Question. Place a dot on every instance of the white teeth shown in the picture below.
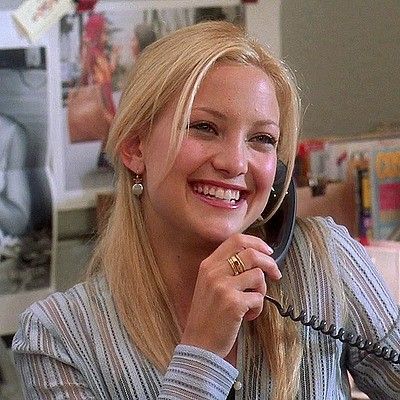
(228, 195)
(220, 193)
(224, 194)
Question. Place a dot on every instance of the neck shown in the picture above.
(179, 260)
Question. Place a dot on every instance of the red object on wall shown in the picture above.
(85, 5)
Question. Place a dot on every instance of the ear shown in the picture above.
(131, 153)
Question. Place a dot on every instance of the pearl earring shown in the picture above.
(137, 187)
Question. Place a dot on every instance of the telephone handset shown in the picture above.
(281, 225)
(279, 229)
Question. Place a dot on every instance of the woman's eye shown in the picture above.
(264, 139)
(203, 127)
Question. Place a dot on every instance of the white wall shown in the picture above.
(263, 22)
(346, 55)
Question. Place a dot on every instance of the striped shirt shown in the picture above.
(70, 347)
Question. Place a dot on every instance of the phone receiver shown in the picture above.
(279, 228)
(279, 233)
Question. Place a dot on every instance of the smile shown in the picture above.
(228, 195)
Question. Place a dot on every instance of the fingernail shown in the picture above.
(270, 250)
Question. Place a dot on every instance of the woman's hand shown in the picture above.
(221, 300)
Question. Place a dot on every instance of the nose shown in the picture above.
(231, 157)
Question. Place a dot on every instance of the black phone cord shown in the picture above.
(345, 337)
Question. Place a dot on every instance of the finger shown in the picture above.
(238, 242)
(251, 280)
(252, 258)
(255, 303)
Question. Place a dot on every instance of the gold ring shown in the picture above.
(236, 264)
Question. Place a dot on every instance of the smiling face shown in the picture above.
(221, 178)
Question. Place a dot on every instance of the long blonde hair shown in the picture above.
(175, 66)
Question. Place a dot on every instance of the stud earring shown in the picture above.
(137, 187)
(273, 192)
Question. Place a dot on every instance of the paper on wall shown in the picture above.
(34, 17)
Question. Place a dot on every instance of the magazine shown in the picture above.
(385, 192)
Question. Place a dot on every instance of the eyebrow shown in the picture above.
(222, 116)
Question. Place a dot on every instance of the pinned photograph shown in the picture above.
(25, 196)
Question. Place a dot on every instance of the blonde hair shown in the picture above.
(171, 67)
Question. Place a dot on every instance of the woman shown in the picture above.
(173, 307)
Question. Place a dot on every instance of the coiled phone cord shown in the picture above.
(345, 337)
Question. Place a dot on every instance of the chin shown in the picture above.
(219, 234)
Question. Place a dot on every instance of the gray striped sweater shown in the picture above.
(69, 347)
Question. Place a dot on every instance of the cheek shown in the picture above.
(155, 161)
(186, 162)
(265, 174)
(191, 155)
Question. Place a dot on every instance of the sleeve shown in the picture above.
(195, 373)
(50, 367)
(46, 369)
(371, 313)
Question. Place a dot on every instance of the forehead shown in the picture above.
(226, 87)
(237, 77)
(239, 87)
